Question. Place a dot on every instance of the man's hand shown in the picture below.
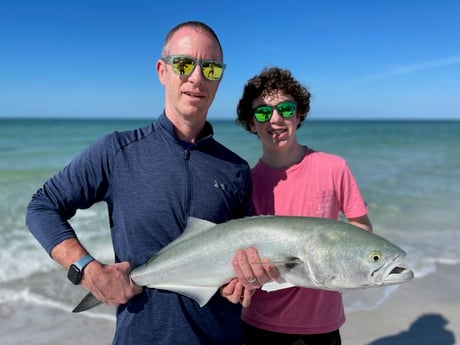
(110, 283)
(251, 273)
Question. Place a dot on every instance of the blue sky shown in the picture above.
(360, 59)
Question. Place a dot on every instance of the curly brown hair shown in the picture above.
(269, 82)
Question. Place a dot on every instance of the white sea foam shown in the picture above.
(366, 299)
(408, 173)
(27, 296)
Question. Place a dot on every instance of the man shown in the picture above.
(152, 180)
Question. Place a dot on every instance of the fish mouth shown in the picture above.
(392, 273)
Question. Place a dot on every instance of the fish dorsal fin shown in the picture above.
(194, 226)
(197, 225)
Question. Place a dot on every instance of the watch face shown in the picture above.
(74, 274)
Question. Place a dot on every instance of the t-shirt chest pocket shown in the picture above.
(323, 204)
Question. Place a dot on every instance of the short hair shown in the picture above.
(198, 26)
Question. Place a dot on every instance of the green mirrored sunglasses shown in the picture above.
(285, 109)
(184, 65)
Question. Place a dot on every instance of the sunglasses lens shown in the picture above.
(263, 113)
(212, 70)
(183, 65)
(286, 109)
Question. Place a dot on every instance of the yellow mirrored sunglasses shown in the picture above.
(184, 65)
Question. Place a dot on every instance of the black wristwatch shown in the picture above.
(75, 272)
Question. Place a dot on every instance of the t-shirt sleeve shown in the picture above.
(352, 202)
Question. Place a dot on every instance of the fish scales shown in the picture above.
(308, 252)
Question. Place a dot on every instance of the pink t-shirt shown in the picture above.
(321, 185)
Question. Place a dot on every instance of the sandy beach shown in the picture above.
(425, 311)
(22, 324)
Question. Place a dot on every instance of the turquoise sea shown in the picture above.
(408, 171)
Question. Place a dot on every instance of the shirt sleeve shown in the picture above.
(82, 183)
(353, 204)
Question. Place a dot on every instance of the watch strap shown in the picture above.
(82, 262)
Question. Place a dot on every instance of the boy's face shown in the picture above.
(278, 133)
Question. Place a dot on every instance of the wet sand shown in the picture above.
(424, 311)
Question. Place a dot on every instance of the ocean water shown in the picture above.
(408, 172)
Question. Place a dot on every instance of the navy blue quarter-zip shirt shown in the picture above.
(151, 182)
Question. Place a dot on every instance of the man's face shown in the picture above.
(189, 97)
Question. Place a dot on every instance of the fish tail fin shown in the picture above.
(88, 302)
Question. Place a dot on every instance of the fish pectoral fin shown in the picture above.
(289, 264)
(286, 264)
(275, 286)
(292, 262)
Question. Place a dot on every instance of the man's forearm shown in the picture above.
(67, 252)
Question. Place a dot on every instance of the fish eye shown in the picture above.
(375, 256)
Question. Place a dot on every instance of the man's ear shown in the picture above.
(161, 70)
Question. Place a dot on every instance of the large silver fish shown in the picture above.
(308, 252)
